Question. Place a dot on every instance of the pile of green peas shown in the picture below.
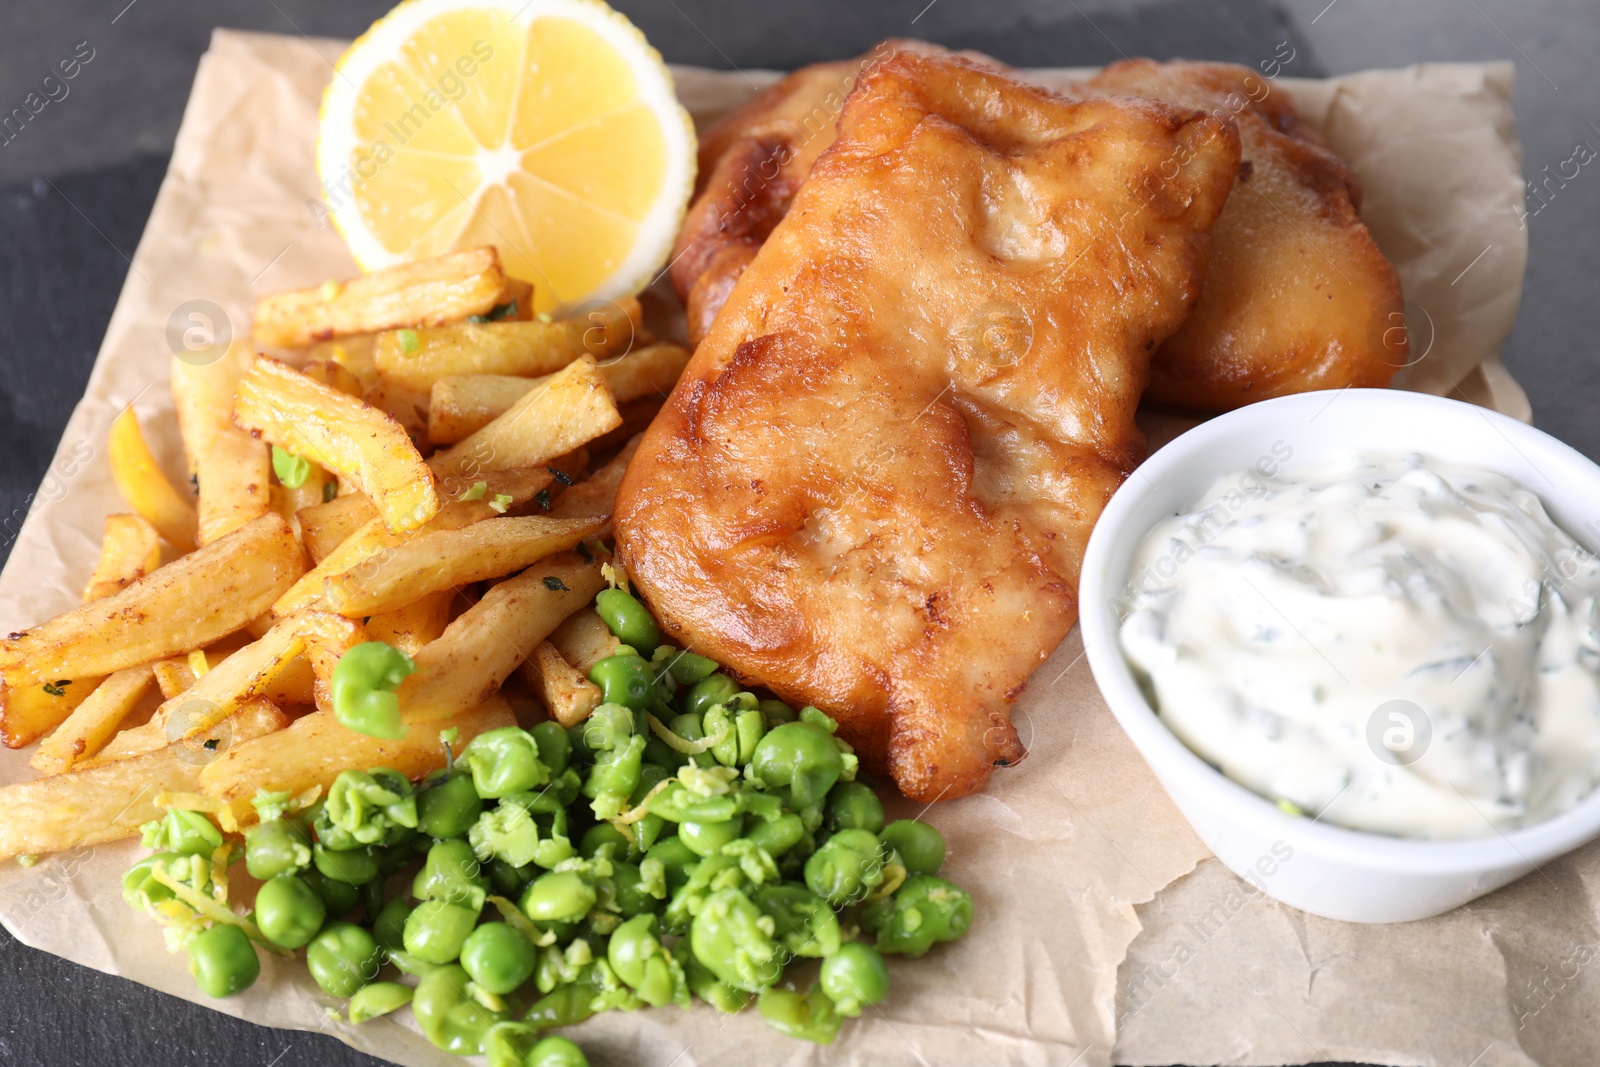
(688, 840)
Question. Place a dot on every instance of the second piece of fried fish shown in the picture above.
(1298, 295)
(871, 489)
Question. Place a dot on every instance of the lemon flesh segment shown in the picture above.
(546, 128)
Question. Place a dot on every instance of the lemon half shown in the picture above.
(548, 128)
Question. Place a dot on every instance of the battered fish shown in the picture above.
(752, 162)
(1297, 296)
(871, 489)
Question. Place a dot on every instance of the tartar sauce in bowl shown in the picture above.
(1388, 642)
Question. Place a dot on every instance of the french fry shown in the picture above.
(129, 550)
(173, 676)
(145, 488)
(571, 408)
(427, 292)
(105, 802)
(448, 559)
(246, 675)
(317, 748)
(519, 295)
(597, 494)
(191, 602)
(28, 712)
(408, 407)
(410, 627)
(93, 722)
(418, 358)
(480, 649)
(334, 375)
(584, 639)
(568, 696)
(373, 539)
(353, 353)
(325, 526)
(346, 436)
(231, 468)
(462, 404)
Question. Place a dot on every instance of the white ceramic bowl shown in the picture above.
(1327, 870)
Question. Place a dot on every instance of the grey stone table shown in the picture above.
(77, 183)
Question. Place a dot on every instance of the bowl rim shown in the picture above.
(1168, 756)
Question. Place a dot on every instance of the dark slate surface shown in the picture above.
(76, 187)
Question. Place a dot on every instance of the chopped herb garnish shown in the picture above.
(543, 497)
(54, 690)
(291, 469)
(450, 736)
(502, 501)
(409, 341)
(496, 313)
(211, 745)
(561, 476)
(16, 635)
(27, 859)
(555, 584)
(329, 290)
(545, 316)
(63, 683)
(330, 489)
(476, 492)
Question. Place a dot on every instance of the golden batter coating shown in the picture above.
(1297, 296)
(872, 486)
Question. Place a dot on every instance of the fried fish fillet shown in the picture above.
(1297, 295)
(752, 162)
(871, 489)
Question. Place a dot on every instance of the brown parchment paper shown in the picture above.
(1083, 873)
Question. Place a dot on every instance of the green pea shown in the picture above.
(853, 806)
(807, 1016)
(362, 689)
(687, 668)
(691, 727)
(447, 1016)
(278, 846)
(376, 807)
(629, 620)
(741, 732)
(677, 857)
(509, 881)
(505, 761)
(340, 898)
(624, 679)
(498, 957)
(777, 836)
(448, 806)
(555, 748)
(436, 930)
(707, 838)
(924, 911)
(356, 867)
(801, 920)
(801, 757)
(289, 912)
(603, 833)
(707, 986)
(635, 954)
(846, 868)
(559, 896)
(921, 847)
(223, 961)
(708, 692)
(776, 712)
(451, 872)
(379, 998)
(343, 958)
(854, 977)
(730, 936)
(511, 1044)
(183, 833)
(628, 890)
(566, 1005)
(390, 925)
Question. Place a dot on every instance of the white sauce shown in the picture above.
(1274, 623)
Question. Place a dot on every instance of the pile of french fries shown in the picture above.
(454, 462)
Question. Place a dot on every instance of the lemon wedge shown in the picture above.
(547, 128)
